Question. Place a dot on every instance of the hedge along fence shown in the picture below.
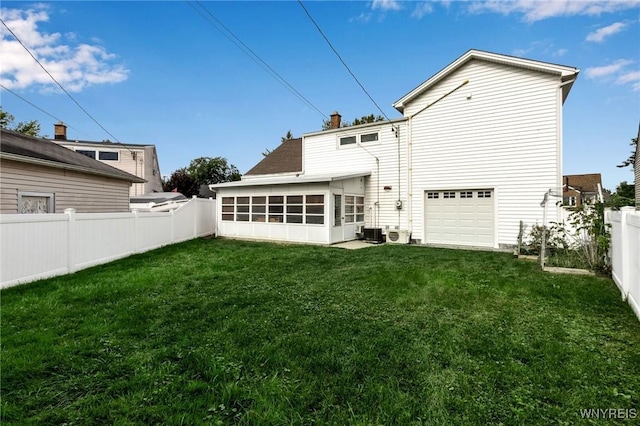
(36, 246)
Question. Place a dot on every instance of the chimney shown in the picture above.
(335, 120)
(60, 131)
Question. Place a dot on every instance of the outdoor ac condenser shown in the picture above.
(398, 236)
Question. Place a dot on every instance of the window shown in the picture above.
(466, 194)
(370, 137)
(314, 209)
(484, 194)
(447, 194)
(242, 209)
(569, 201)
(433, 195)
(88, 153)
(349, 140)
(294, 208)
(258, 209)
(36, 202)
(276, 209)
(337, 210)
(353, 209)
(108, 155)
(228, 208)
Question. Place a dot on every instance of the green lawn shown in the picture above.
(224, 332)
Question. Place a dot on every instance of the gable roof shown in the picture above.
(27, 149)
(583, 183)
(567, 74)
(286, 158)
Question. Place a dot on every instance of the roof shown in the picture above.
(566, 73)
(27, 149)
(288, 180)
(101, 143)
(286, 158)
(583, 183)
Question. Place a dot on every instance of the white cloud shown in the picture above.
(601, 33)
(386, 5)
(422, 9)
(632, 77)
(536, 10)
(607, 70)
(75, 66)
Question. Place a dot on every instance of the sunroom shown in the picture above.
(312, 209)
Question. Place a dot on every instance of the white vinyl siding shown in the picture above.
(322, 155)
(498, 131)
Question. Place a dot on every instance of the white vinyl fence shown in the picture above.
(36, 246)
(625, 254)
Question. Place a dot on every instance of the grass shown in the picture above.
(231, 332)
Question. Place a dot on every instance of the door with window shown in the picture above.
(337, 218)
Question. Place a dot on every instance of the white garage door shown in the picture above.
(460, 217)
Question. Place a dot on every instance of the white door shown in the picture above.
(460, 217)
(337, 217)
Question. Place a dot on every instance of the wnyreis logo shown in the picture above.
(609, 413)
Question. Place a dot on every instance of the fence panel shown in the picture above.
(44, 245)
(625, 254)
(102, 237)
(32, 247)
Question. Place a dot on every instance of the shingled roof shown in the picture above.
(287, 158)
(20, 147)
(583, 183)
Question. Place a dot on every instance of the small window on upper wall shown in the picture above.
(370, 137)
(108, 155)
(88, 153)
(35, 202)
(349, 140)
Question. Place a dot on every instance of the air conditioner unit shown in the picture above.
(398, 236)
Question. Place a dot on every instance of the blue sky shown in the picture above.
(160, 73)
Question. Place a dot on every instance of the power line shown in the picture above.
(342, 60)
(36, 107)
(59, 85)
(251, 54)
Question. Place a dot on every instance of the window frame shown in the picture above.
(51, 196)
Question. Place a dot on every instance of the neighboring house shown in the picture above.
(135, 159)
(39, 176)
(579, 189)
(478, 146)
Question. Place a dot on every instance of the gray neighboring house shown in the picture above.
(39, 176)
(137, 159)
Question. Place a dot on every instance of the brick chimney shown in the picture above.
(335, 120)
(60, 131)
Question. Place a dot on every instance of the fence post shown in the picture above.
(195, 216)
(135, 230)
(71, 236)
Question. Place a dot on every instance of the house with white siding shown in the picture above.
(137, 159)
(478, 146)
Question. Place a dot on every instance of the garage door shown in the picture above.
(460, 217)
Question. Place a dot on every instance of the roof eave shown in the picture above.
(65, 166)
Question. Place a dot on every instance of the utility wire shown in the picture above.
(59, 85)
(37, 107)
(250, 53)
(342, 60)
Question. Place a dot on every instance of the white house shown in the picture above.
(478, 146)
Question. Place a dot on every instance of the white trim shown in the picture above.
(287, 180)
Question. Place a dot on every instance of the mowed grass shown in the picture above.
(231, 332)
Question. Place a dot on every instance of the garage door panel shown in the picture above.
(463, 218)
